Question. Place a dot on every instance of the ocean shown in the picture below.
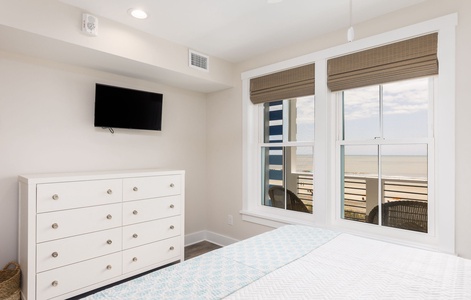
(393, 166)
(396, 166)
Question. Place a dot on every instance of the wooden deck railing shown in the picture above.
(355, 191)
(305, 190)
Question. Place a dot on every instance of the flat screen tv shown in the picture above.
(117, 107)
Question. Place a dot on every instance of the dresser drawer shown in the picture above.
(151, 187)
(151, 209)
(152, 231)
(150, 254)
(69, 278)
(58, 253)
(66, 195)
(60, 224)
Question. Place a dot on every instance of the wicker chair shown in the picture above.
(410, 215)
(277, 196)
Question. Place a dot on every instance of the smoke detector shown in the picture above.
(89, 25)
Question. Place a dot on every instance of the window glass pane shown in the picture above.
(272, 170)
(302, 160)
(272, 173)
(361, 113)
(283, 186)
(299, 178)
(360, 181)
(273, 122)
(405, 185)
(405, 109)
(289, 120)
(302, 116)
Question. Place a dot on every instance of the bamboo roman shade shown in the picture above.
(407, 59)
(292, 83)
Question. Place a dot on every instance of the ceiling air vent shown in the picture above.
(198, 61)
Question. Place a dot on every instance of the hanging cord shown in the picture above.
(351, 13)
(350, 32)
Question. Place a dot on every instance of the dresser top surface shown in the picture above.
(96, 175)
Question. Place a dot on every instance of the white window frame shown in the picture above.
(305, 218)
(326, 191)
(410, 236)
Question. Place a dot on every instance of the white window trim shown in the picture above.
(324, 214)
(410, 237)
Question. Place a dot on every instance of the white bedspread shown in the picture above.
(350, 267)
(223, 271)
(300, 262)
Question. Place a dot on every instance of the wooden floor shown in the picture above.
(199, 248)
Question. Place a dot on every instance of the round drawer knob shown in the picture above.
(55, 197)
(109, 217)
(55, 283)
(134, 259)
(135, 235)
(109, 192)
(134, 212)
(172, 227)
(172, 206)
(55, 254)
(109, 242)
(172, 248)
(108, 267)
(55, 226)
(172, 185)
(135, 189)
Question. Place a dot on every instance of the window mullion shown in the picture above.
(431, 119)
(342, 116)
(286, 120)
(387, 142)
(381, 138)
(381, 110)
(380, 188)
(284, 178)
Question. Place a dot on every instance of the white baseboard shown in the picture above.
(205, 235)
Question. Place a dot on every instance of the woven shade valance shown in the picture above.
(408, 59)
(292, 83)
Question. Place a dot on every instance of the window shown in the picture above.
(385, 132)
(360, 133)
(383, 143)
(281, 152)
(287, 154)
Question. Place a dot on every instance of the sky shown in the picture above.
(405, 115)
(405, 111)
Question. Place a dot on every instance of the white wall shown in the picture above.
(225, 116)
(46, 125)
(224, 168)
(46, 119)
(51, 29)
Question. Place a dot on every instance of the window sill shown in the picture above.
(271, 220)
(386, 234)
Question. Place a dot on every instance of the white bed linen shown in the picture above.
(300, 262)
(351, 267)
(223, 271)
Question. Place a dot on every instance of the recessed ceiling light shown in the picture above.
(137, 13)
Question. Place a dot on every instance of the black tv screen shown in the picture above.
(117, 107)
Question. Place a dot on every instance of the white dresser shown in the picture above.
(82, 231)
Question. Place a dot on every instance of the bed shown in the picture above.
(301, 262)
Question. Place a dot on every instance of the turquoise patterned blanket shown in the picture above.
(220, 273)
